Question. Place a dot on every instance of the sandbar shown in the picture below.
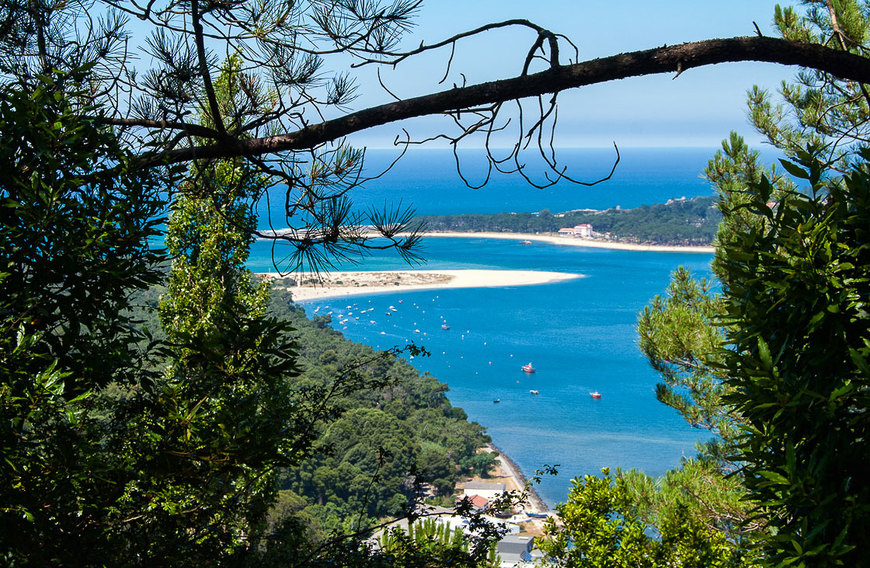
(305, 286)
(572, 241)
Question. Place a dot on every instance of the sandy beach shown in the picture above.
(306, 286)
(571, 241)
(509, 473)
(338, 284)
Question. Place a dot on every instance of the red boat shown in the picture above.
(595, 394)
(528, 368)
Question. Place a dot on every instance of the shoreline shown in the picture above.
(306, 286)
(571, 241)
(511, 470)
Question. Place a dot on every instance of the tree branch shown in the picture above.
(668, 59)
(186, 127)
(204, 70)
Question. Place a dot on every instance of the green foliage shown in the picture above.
(678, 222)
(734, 168)
(76, 219)
(599, 527)
(679, 336)
(697, 490)
(788, 325)
(796, 297)
(430, 543)
(682, 334)
(226, 414)
(395, 432)
(822, 111)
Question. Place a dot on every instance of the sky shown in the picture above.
(699, 108)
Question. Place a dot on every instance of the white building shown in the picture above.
(484, 489)
(583, 231)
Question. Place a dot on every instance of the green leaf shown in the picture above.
(794, 169)
(764, 354)
(777, 478)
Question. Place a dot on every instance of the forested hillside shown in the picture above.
(385, 444)
(678, 222)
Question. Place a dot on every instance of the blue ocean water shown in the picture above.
(579, 334)
(428, 181)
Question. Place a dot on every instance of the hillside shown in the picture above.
(391, 431)
(677, 222)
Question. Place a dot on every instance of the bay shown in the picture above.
(579, 334)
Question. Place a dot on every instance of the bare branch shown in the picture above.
(666, 59)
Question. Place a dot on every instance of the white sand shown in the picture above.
(334, 284)
(572, 241)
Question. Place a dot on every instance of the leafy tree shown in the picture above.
(599, 526)
(77, 216)
(798, 330)
(694, 342)
(226, 411)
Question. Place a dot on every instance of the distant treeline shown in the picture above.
(678, 222)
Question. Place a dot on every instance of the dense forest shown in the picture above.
(677, 222)
(386, 445)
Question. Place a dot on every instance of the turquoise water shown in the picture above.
(579, 334)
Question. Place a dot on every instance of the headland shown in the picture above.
(307, 286)
(571, 241)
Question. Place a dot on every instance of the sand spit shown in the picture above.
(335, 284)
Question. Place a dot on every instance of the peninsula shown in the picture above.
(307, 286)
(573, 241)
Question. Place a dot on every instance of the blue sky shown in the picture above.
(699, 108)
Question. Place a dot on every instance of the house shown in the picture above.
(515, 550)
(483, 489)
(583, 231)
(478, 503)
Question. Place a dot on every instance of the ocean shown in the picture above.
(579, 334)
(427, 181)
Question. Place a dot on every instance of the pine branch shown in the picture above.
(667, 59)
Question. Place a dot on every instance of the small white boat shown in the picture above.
(534, 391)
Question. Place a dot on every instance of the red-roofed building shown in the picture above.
(479, 503)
